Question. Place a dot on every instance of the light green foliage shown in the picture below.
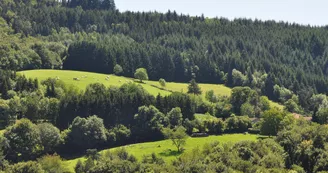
(2, 132)
(210, 96)
(271, 121)
(258, 80)
(118, 69)
(25, 167)
(319, 101)
(223, 109)
(120, 133)
(247, 109)
(215, 126)
(241, 95)
(238, 78)
(87, 78)
(53, 164)
(291, 106)
(237, 124)
(178, 136)
(141, 74)
(162, 82)
(205, 117)
(322, 116)
(282, 93)
(175, 117)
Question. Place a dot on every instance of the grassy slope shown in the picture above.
(218, 89)
(67, 76)
(167, 151)
(183, 87)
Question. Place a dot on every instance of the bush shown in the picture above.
(118, 69)
(87, 133)
(237, 124)
(162, 82)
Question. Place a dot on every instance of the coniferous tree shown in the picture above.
(193, 88)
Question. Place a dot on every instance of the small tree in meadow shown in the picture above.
(178, 136)
(193, 88)
(141, 74)
(162, 82)
(118, 69)
(210, 96)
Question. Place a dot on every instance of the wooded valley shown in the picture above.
(276, 73)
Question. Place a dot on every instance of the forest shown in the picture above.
(43, 123)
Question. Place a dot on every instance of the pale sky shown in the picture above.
(313, 12)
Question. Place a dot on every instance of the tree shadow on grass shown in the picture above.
(169, 152)
(263, 137)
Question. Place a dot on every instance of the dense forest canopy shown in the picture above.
(170, 46)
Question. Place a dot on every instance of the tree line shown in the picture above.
(289, 55)
(299, 147)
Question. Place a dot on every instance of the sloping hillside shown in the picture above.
(153, 87)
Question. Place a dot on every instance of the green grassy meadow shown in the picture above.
(153, 87)
(183, 87)
(166, 150)
(86, 78)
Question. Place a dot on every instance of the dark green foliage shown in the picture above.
(148, 123)
(237, 124)
(215, 126)
(6, 118)
(86, 133)
(177, 99)
(91, 4)
(23, 141)
(241, 95)
(321, 116)
(113, 105)
(223, 110)
(193, 88)
(95, 37)
(175, 117)
(286, 62)
(121, 133)
(49, 136)
(79, 168)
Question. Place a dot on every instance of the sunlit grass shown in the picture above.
(153, 87)
(167, 151)
(86, 78)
